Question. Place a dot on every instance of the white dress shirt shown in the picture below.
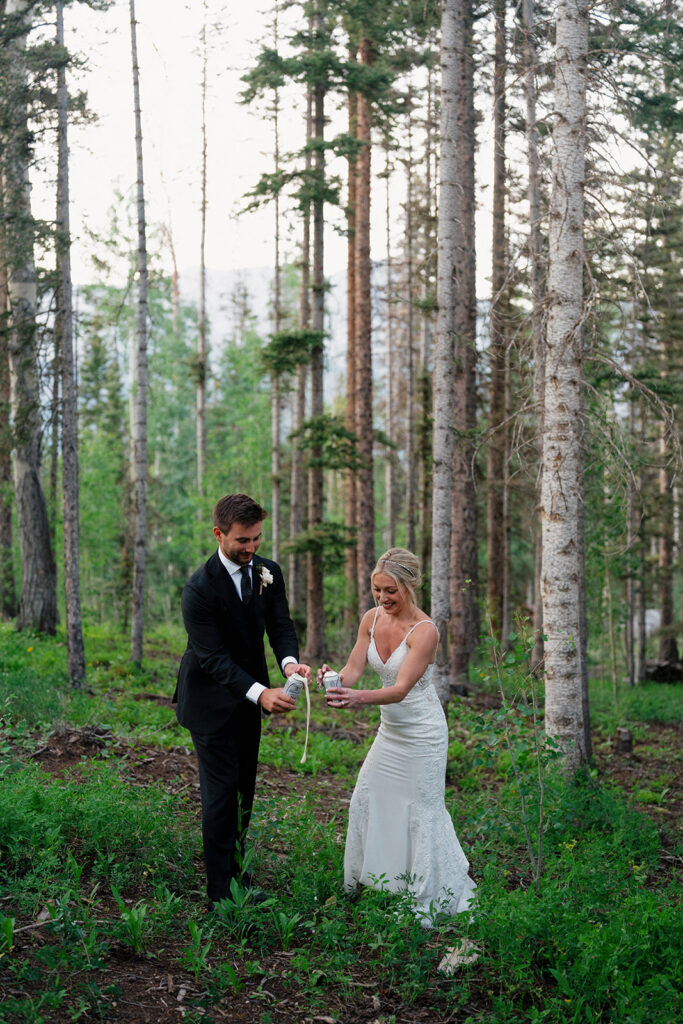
(254, 691)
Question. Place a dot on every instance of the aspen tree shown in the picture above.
(64, 332)
(464, 574)
(562, 495)
(536, 282)
(498, 356)
(444, 405)
(201, 361)
(139, 419)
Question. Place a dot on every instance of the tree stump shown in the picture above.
(623, 743)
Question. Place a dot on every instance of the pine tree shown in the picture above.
(38, 602)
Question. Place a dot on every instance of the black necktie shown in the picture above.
(246, 584)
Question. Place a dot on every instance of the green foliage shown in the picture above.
(599, 941)
(330, 443)
(289, 349)
(327, 541)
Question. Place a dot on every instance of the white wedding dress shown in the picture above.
(400, 835)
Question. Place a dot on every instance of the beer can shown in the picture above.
(294, 685)
(330, 679)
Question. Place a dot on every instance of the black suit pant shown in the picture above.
(227, 778)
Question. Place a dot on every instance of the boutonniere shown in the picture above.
(266, 577)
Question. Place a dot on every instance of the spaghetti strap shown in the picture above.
(431, 623)
(372, 628)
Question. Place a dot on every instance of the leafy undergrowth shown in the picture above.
(102, 916)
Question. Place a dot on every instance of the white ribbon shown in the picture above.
(308, 721)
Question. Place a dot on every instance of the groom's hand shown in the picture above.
(303, 670)
(276, 700)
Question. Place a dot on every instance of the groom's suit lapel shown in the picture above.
(226, 590)
(223, 586)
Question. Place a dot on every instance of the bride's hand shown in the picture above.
(320, 673)
(342, 697)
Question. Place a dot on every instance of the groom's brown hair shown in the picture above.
(237, 508)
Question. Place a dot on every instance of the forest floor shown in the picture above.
(150, 987)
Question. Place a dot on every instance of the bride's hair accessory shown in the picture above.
(392, 561)
(403, 566)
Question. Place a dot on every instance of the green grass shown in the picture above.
(635, 706)
(115, 865)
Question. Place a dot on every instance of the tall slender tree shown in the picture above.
(351, 481)
(8, 596)
(276, 384)
(536, 275)
(298, 504)
(201, 368)
(363, 318)
(444, 364)
(139, 422)
(497, 446)
(38, 602)
(464, 574)
(64, 333)
(315, 635)
(563, 569)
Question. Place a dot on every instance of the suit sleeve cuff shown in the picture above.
(254, 692)
(289, 660)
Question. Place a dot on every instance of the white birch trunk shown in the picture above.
(75, 653)
(536, 282)
(410, 340)
(276, 394)
(444, 410)
(201, 318)
(140, 418)
(390, 412)
(296, 588)
(563, 571)
(38, 602)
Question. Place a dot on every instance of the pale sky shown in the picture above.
(239, 138)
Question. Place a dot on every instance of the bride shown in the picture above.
(400, 835)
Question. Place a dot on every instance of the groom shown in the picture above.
(223, 685)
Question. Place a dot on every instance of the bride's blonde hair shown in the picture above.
(403, 567)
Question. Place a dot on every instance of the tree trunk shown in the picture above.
(464, 575)
(315, 635)
(390, 413)
(410, 339)
(75, 653)
(38, 603)
(424, 390)
(201, 366)
(296, 589)
(563, 571)
(351, 475)
(668, 647)
(497, 454)
(444, 398)
(275, 384)
(139, 432)
(536, 282)
(8, 595)
(363, 311)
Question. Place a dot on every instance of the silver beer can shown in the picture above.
(331, 679)
(294, 685)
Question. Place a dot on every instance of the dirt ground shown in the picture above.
(154, 989)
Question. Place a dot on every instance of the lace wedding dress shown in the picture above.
(400, 834)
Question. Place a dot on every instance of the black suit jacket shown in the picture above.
(225, 652)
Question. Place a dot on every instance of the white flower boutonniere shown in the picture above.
(266, 577)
